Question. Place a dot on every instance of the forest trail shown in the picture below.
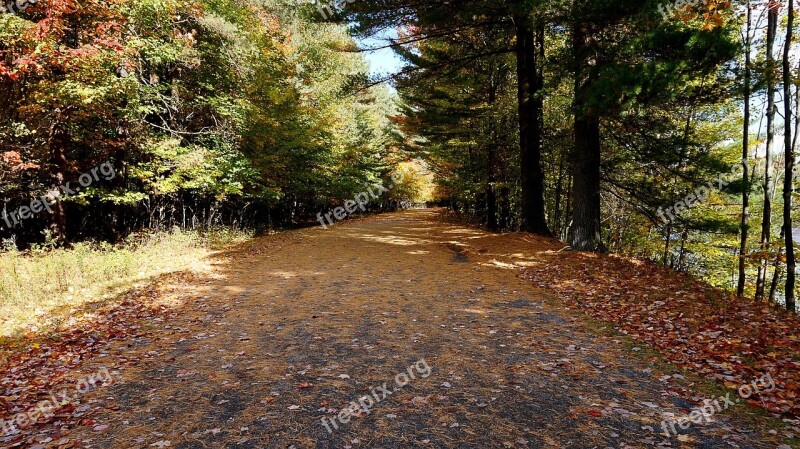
(284, 336)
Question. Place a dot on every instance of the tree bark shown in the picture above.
(585, 233)
(491, 207)
(766, 221)
(529, 50)
(743, 230)
(586, 179)
(682, 253)
(788, 181)
(491, 167)
(505, 207)
(58, 141)
(776, 276)
(558, 194)
(568, 212)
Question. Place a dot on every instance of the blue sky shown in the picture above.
(383, 61)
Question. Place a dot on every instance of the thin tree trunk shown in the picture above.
(59, 165)
(745, 168)
(480, 204)
(568, 212)
(491, 162)
(491, 207)
(682, 253)
(766, 221)
(559, 191)
(529, 49)
(505, 207)
(788, 184)
(773, 288)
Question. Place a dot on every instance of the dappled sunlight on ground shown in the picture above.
(392, 240)
(289, 329)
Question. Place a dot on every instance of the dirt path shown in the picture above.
(284, 337)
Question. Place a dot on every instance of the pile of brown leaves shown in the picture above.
(35, 368)
(703, 329)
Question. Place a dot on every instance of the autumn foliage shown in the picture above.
(701, 328)
(213, 113)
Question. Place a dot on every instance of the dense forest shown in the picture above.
(634, 127)
(219, 113)
(658, 130)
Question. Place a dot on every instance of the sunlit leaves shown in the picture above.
(219, 100)
(710, 12)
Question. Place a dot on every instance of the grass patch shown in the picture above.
(40, 288)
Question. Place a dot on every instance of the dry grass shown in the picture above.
(41, 288)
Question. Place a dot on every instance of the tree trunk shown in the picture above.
(586, 154)
(682, 253)
(586, 179)
(766, 221)
(745, 168)
(788, 181)
(491, 163)
(480, 205)
(529, 49)
(568, 212)
(559, 192)
(776, 276)
(491, 208)
(59, 166)
(505, 207)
